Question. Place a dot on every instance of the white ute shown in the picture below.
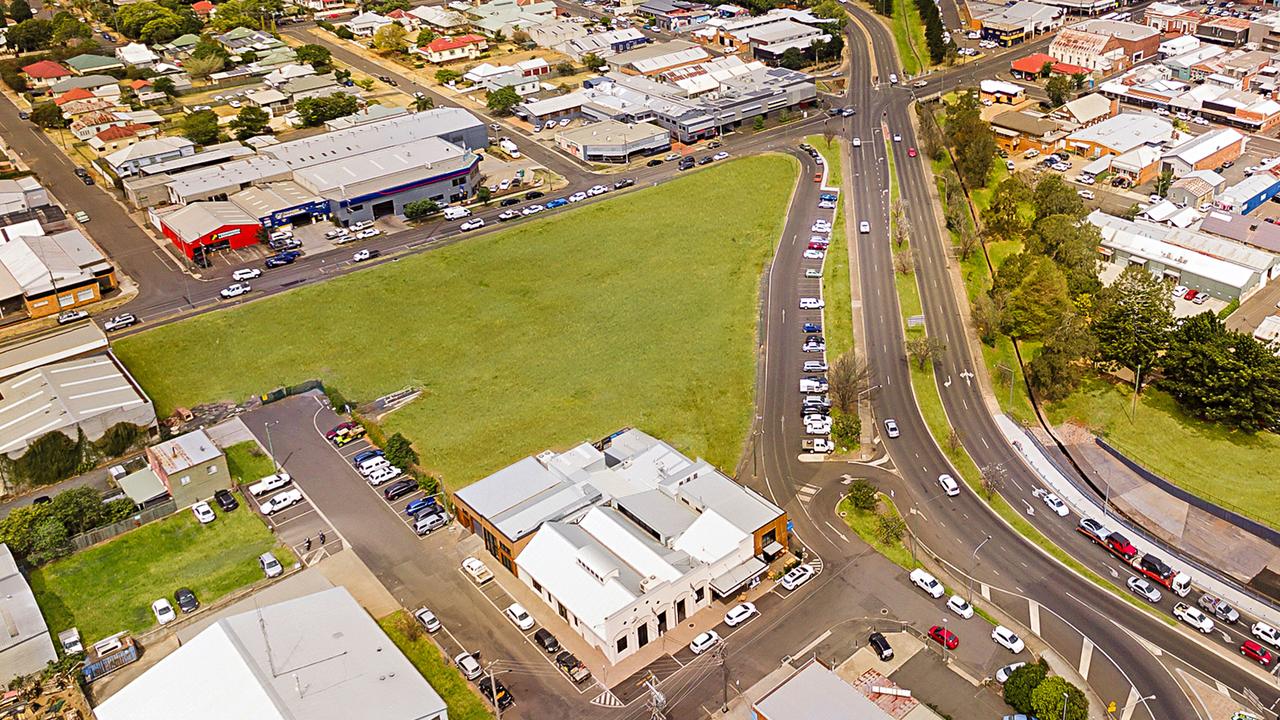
(927, 583)
(1193, 617)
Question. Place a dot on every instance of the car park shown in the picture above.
(120, 322)
(163, 611)
(949, 485)
(891, 428)
(468, 666)
(704, 642)
(186, 600)
(477, 571)
(944, 637)
(271, 567)
(740, 613)
(1005, 638)
(797, 576)
(928, 583)
(1143, 589)
(959, 606)
(1002, 675)
(519, 617)
(1056, 505)
(203, 512)
(880, 646)
(427, 619)
(246, 274)
(280, 501)
(234, 290)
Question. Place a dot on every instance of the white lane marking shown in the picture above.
(1086, 657)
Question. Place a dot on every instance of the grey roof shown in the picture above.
(372, 113)
(813, 691)
(360, 174)
(184, 451)
(88, 82)
(371, 137)
(1242, 228)
(261, 201)
(658, 511)
(651, 50)
(236, 173)
(512, 485)
(210, 154)
(27, 352)
(25, 647)
(738, 504)
(142, 485)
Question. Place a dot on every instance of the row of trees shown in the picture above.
(156, 21)
(934, 31)
(971, 138)
(38, 534)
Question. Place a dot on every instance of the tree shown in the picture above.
(78, 509)
(162, 30)
(1054, 697)
(344, 33)
(1032, 292)
(1053, 196)
(925, 348)
(49, 542)
(20, 11)
(390, 38)
(1058, 369)
(967, 242)
(986, 318)
(1072, 245)
(67, 27)
(51, 457)
(1060, 88)
(208, 47)
(889, 528)
(520, 37)
(31, 35)
(1132, 318)
(1003, 217)
(1221, 375)
(972, 138)
(315, 111)
(422, 103)
(502, 100)
(1163, 181)
(250, 121)
(400, 452)
(758, 123)
(862, 494)
(48, 115)
(444, 76)
(565, 68)
(317, 56)
(1022, 683)
(419, 209)
(792, 59)
(202, 68)
(201, 127)
(846, 428)
(592, 61)
(846, 380)
(483, 194)
(903, 262)
(425, 36)
(164, 85)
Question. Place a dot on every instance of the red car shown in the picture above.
(944, 637)
(817, 246)
(345, 433)
(817, 177)
(911, 152)
(1254, 651)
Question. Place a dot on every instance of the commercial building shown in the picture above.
(191, 467)
(602, 45)
(1221, 268)
(453, 125)
(1268, 332)
(625, 538)
(675, 14)
(1230, 31)
(219, 182)
(1092, 51)
(609, 141)
(1203, 152)
(999, 91)
(1252, 231)
(320, 657)
(1171, 19)
(1248, 195)
(1009, 25)
(1139, 42)
(1017, 132)
(1088, 110)
(1120, 134)
(43, 274)
(281, 203)
(210, 226)
(1196, 188)
(770, 42)
(657, 58)
(21, 194)
(1178, 45)
(815, 691)
(26, 647)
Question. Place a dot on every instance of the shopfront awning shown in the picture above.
(772, 549)
(730, 582)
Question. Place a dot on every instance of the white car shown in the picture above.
(477, 571)
(949, 485)
(163, 611)
(120, 322)
(810, 303)
(927, 583)
(864, 227)
(1085, 180)
(269, 483)
(532, 210)
(280, 501)
(897, 137)
(1178, 291)
(957, 605)
(427, 619)
(519, 616)
(469, 666)
(857, 142)
(1002, 675)
(234, 290)
(720, 155)
(473, 224)
(1005, 638)
(246, 273)
(577, 197)
(597, 190)
(1055, 504)
(362, 255)
(203, 512)
(798, 576)
(368, 233)
(821, 226)
(740, 613)
(891, 428)
(1085, 194)
(1266, 634)
(704, 642)
(813, 255)
(813, 273)
(1143, 589)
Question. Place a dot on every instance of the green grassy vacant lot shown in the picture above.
(110, 587)
(908, 35)
(463, 703)
(865, 523)
(247, 463)
(638, 311)
(1229, 468)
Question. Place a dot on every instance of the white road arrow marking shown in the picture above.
(948, 382)
(1030, 510)
(968, 376)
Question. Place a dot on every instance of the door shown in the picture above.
(680, 611)
(642, 635)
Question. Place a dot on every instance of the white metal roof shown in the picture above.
(1125, 132)
(1130, 239)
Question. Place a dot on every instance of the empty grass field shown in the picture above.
(636, 311)
(463, 702)
(110, 587)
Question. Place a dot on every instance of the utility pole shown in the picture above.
(724, 676)
(1137, 382)
(493, 689)
(270, 447)
(657, 701)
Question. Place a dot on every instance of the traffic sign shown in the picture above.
(790, 526)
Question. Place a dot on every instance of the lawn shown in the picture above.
(908, 35)
(247, 463)
(864, 523)
(463, 703)
(109, 587)
(836, 288)
(1228, 468)
(637, 311)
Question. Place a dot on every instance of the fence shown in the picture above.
(97, 535)
(281, 393)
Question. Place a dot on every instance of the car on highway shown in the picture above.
(957, 605)
(577, 197)
(880, 646)
(363, 255)
(1056, 505)
(813, 254)
(280, 501)
(1266, 634)
(506, 215)
(163, 611)
(1086, 194)
(120, 322)
(797, 576)
(1193, 617)
(811, 303)
(949, 485)
(1143, 589)
(857, 142)
(944, 637)
(472, 224)
(468, 666)
(234, 290)
(203, 512)
(891, 428)
(1253, 650)
(928, 583)
(740, 613)
(427, 619)
(1005, 638)
(519, 617)
(704, 642)
(813, 273)
(281, 259)
(897, 137)
(1002, 675)
(911, 152)
(655, 162)
(864, 227)
(720, 155)
(246, 274)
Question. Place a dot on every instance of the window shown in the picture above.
(185, 480)
(622, 644)
(537, 585)
(84, 295)
(213, 469)
(66, 300)
(698, 594)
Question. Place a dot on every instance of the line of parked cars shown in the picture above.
(815, 408)
(1001, 635)
(425, 513)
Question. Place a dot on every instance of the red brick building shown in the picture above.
(210, 225)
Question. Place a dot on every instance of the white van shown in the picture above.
(455, 212)
(509, 148)
(367, 467)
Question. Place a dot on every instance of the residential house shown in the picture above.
(122, 136)
(269, 99)
(1088, 110)
(1017, 132)
(45, 73)
(137, 55)
(449, 49)
(72, 109)
(27, 647)
(1138, 166)
(90, 64)
(603, 45)
(89, 124)
(314, 86)
(443, 19)
(492, 77)
(204, 9)
(280, 76)
(131, 160)
(1196, 189)
(180, 47)
(243, 38)
(1171, 19)
(367, 23)
(1203, 152)
(99, 85)
(508, 16)
(191, 467)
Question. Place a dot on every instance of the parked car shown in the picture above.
(246, 273)
(496, 692)
(519, 617)
(572, 666)
(1002, 675)
(120, 322)
(740, 613)
(928, 583)
(67, 317)
(280, 501)
(959, 606)
(234, 290)
(880, 646)
(186, 600)
(271, 567)
(1005, 638)
(797, 576)
(225, 500)
(399, 489)
(269, 483)
(944, 637)
(1143, 589)
(421, 505)
(163, 611)
(203, 512)
(704, 642)
(546, 641)
(427, 619)
(477, 571)
(430, 521)
(468, 665)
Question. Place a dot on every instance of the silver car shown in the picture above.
(1143, 589)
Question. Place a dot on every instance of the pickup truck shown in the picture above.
(927, 583)
(572, 667)
(269, 483)
(1193, 617)
(1220, 609)
(817, 445)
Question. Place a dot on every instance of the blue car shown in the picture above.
(426, 504)
(366, 455)
(827, 196)
(812, 327)
(558, 202)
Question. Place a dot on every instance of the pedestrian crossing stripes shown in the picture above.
(806, 492)
(607, 699)
(816, 563)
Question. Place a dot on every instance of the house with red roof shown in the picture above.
(1030, 67)
(73, 94)
(45, 73)
(114, 138)
(448, 49)
(204, 9)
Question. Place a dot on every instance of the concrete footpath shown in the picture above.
(1083, 504)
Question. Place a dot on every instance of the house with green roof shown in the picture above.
(180, 47)
(89, 64)
(276, 57)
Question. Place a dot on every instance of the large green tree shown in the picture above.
(1033, 293)
(1073, 246)
(317, 110)
(318, 56)
(48, 115)
(250, 121)
(1054, 697)
(201, 127)
(1132, 318)
(1003, 217)
(390, 38)
(1022, 683)
(502, 100)
(1221, 375)
(1056, 371)
(20, 10)
(972, 138)
(1060, 88)
(29, 35)
(1053, 196)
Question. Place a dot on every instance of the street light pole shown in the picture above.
(1064, 706)
(973, 561)
(270, 447)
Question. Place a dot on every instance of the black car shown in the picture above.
(496, 692)
(202, 260)
(687, 162)
(508, 202)
(813, 409)
(226, 500)
(546, 640)
(280, 259)
(81, 172)
(654, 162)
(399, 489)
(186, 600)
(623, 183)
(533, 195)
(880, 646)
(24, 116)
(87, 180)
(705, 161)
